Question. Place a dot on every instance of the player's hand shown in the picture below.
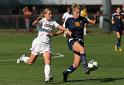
(123, 32)
(36, 22)
(68, 33)
(50, 34)
(39, 18)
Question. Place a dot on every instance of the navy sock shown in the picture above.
(118, 43)
(70, 69)
(84, 60)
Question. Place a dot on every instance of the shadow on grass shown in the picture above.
(53, 83)
(98, 80)
(102, 80)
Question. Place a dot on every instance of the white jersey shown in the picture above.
(42, 42)
(44, 27)
(65, 16)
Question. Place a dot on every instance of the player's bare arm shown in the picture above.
(65, 30)
(36, 22)
(112, 21)
(92, 21)
(55, 33)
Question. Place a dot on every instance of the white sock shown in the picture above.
(47, 71)
(85, 31)
(25, 59)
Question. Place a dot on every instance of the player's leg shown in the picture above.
(72, 67)
(47, 70)
(118, 37)
(29, 60)
(32, 59)
(120, 49)
(77, 47)
(85, 29)
(27, 23)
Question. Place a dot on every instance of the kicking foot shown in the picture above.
(87, 71)
(120, 49)
(20, 59)
(65, 76)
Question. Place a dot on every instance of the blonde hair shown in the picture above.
(75, 6)
(45, 11)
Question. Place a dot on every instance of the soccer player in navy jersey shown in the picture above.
(75, 24)
(117, 21)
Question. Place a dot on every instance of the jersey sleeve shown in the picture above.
(41, 21)
(113, 16)
(55, 24)
(63, 17)
(67, 23)
(86, 20)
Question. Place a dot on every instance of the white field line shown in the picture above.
(54, 55)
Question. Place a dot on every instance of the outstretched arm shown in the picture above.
(58, 33)
(92, 21)
(61, 31)
(55, 33)
(113, 22)
(36, 22)
(65, 30)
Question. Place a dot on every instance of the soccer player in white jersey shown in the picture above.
(41, 44)
(66, 15)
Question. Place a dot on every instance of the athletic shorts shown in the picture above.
(39, 47)
(118, 29)
(71, 42)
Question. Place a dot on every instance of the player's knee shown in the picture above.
(47, 62)
(82, 51)
(75, 65)
(30, 62)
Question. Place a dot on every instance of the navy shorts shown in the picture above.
(118, 29)
(71, 42)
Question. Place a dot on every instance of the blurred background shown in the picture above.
(16, 40)
(11, 14)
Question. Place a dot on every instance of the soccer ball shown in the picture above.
(93, 65)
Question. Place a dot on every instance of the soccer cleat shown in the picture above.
(116, 49)
(20, 59)
(120, 49)
(65, 76)
(49, 79)
(87, 70)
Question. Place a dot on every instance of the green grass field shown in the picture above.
(100, 47)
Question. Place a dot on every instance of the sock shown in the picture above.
(118, 43)
(47, 70)
(84, 60)
(85, 31)
(25, 59)
(70, 69)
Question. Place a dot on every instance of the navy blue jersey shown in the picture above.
(118, 25)
(76, 26)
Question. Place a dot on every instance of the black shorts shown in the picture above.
(118, 29)
(71, 42)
